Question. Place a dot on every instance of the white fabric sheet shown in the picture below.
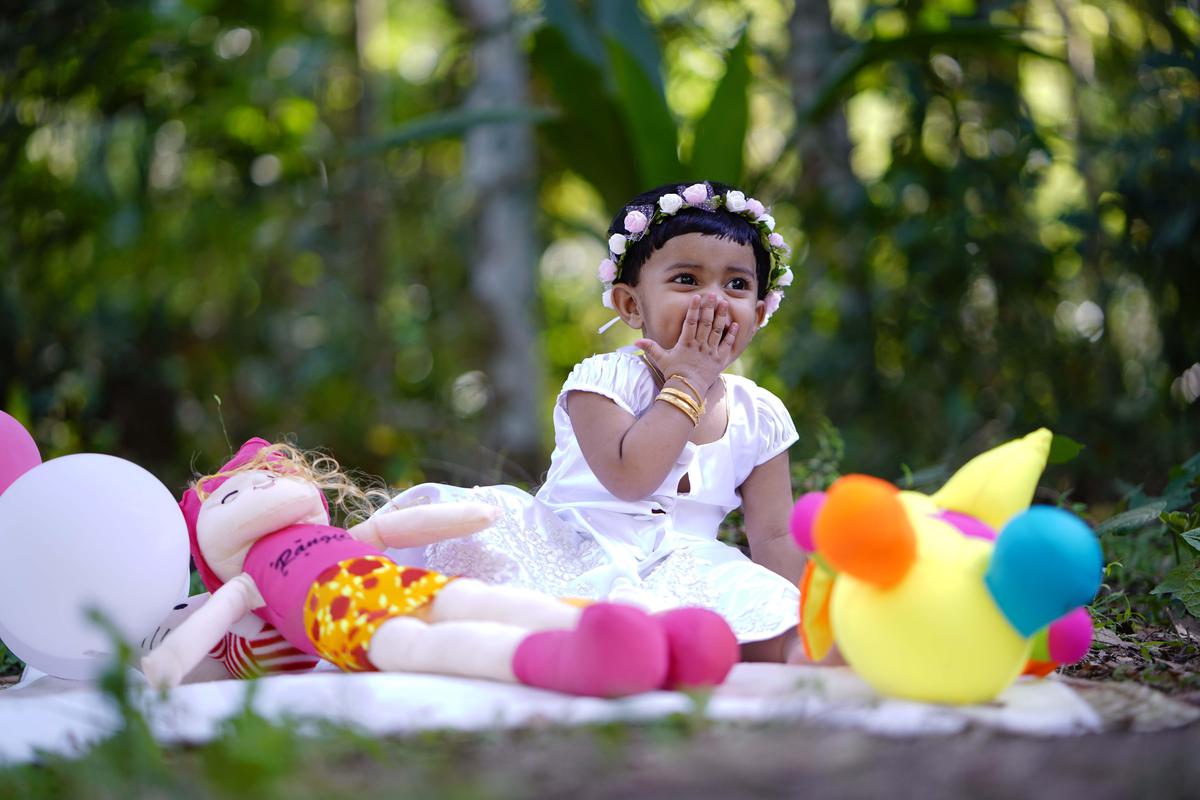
(66, 717)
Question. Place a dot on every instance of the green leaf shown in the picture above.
(1191, 466)
(1133, 520)
(445, 124)
(721, 131)
(1190, 593)
(1178, 491)
(1192, 537)
(1177, 521)
(1175, 580)
(588, 134)
(1132, 496)
(647, 119)
(565, 17)
(1063, 449)
(621, 21)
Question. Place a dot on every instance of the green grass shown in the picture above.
(253, 757)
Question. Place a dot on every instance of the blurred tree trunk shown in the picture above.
(500, 173)
(368, 206)
(824, 145)
(828, 189)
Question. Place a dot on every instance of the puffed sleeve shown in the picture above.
(776, 431)
(621, 377)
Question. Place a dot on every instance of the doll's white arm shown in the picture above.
(188, 644)
(210, 668)
(413, 526)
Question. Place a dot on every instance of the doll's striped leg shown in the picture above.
(468, 649)
(469, 599)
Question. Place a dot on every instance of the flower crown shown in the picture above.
(638, 220)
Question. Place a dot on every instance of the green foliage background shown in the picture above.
(264, 203)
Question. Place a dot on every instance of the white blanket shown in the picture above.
(67, 717)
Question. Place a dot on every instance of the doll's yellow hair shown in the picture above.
(320, 469)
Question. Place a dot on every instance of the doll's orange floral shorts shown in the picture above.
(350, 600)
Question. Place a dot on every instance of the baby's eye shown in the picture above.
(739, 284)
(685, 279)
(228, 497)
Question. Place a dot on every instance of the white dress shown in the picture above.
(575, 539)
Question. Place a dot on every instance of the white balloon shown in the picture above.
(81, 532)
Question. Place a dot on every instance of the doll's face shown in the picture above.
(248, 506)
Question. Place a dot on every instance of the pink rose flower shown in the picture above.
(775, 240)
(670, 203)
(772, 301)
(616, 244)
(695, 194)
(735, 201)
(607, 271)
(767, 220)
(755, 208)
(785, 279)
(635, 222)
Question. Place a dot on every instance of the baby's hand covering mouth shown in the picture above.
(705, 345)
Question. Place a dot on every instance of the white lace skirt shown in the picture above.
(531, 546)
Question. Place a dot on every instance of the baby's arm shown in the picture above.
(632, 456)
(767, 507)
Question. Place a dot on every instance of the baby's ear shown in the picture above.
(760, 313)
(627, 305)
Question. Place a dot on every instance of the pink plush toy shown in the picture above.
(262, 542)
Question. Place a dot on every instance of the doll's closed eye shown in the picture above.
(228, 497)
(263, 480)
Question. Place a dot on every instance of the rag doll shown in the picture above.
(262, 541)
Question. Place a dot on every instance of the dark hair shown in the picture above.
(720, 223)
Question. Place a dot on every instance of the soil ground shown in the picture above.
(1166, 659)
(813, 762)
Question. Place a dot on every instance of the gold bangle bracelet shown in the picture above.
(654, 369)
(675, 376)
(679, 404)
(697, 408)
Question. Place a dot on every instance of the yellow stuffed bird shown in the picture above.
(921, 596)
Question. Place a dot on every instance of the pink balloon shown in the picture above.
(18, 452)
